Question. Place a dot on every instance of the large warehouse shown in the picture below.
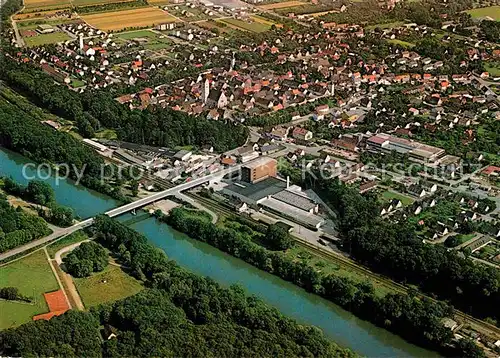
(276, 195)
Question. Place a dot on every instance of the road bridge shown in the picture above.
(61, 232)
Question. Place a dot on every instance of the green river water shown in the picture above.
(336, 323)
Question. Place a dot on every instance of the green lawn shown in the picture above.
(493, 69)
(68, 240)
(112, 284)
(492, 11)
(43, 39)
(389, 195)
(33, 277)
(106, 134)
(401, 42)
(465, 238)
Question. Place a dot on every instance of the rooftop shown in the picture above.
(294, 199)
(259, 190)
(259, 162)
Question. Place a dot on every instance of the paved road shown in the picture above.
(119, 211)
(68, 280)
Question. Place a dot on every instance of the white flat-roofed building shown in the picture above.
(102, 149)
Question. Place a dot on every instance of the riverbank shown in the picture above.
(202, 259)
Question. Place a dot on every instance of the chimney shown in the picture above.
(287, 182)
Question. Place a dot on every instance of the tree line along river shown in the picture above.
(336, 323)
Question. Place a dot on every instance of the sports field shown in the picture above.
(112, 284)
(120, 20)
(282, 5)
(33, 277)
(492, 11)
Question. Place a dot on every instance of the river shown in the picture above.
(337, 324)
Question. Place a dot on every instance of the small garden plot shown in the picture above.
(282, 5)
(135, 18)
(45, 39)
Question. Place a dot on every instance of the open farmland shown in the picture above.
(33, 277)
(35, 5)
(282, 5)
(136, 18)
(253, 26)
(149, 39)
(492, 11)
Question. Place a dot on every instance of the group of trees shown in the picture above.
(13, 294)
(395, 250)
(414, 318)
(98, 109)
(40, 192)
(23, 134)
(18, 227)
(87, 258)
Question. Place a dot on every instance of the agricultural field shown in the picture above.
(492, 11)
(33, 277)
(253, 26)
(135, 18)
(97, 2)
(112, 284)
(35, 15)
(209, 25)
(37, 5)
(282, 5)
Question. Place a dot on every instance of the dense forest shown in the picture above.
(18, 227)
(87, 258)
(416, 319)
(395, 250)
(180, 314)
(27, 136)
(94, 110)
